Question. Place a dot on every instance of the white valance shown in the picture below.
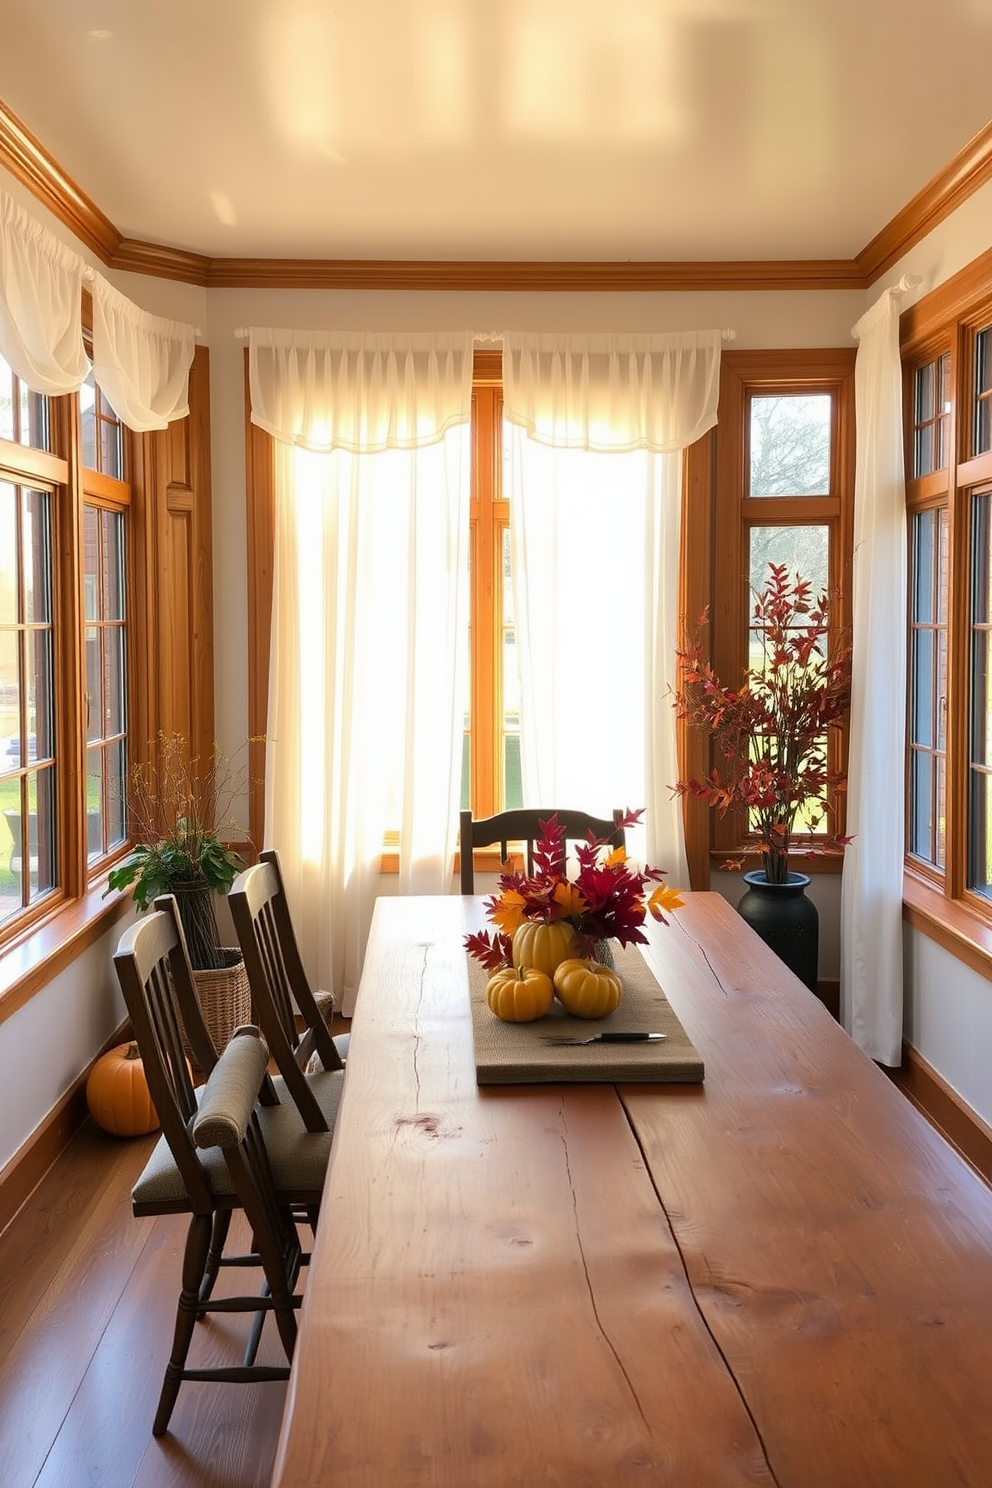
(359, 391)
(612, 393)
(41, 280)
(141, 362)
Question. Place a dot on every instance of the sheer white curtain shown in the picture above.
(140, 361)
(871, 919)
(41, 281)
(369, 624)
(597, 426)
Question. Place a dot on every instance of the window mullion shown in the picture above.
(486, 601)
(69, 633)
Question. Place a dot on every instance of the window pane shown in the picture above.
(87, 415)
(931, 416)
(927, 685)
(8, 551)
(105, 719)
(980, 837)
(37, 555)
(41, 807)
(983, 391)
(921, 843)
(979, 821)
(803, 550)
(24, 416)
(111, 441)
(923, 688)
(103, 432)
(790, 445)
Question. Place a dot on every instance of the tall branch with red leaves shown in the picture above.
(771, 734)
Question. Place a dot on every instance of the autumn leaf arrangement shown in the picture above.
(607, 899)
(770, 735)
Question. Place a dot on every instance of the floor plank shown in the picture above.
(87, 1303)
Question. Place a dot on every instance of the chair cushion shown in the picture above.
(298, 1158)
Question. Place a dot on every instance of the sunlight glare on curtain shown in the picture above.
(597, 426)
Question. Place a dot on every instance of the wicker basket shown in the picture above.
(225, 998)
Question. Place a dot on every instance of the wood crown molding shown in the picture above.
(960, 295)
(30, 163)
(968, 170)
(35, 168)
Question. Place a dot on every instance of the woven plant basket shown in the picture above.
(225, 998)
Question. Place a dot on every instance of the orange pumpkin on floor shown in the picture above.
(117, 1093)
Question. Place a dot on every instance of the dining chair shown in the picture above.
(281, 989)
(152, 966)
(524, 825)
(228, 1120)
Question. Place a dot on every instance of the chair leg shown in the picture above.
(194, 1270)
(218, 1239)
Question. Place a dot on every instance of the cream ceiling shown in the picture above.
(500, 129)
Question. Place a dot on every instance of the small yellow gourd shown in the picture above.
(586, 989)
(536, 943)
(519, 994)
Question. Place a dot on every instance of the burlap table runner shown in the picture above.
(517, 1053)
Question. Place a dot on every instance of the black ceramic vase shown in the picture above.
(786, 921)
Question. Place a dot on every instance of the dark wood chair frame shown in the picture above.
(279, 983)
(524, 825)
(153, 969)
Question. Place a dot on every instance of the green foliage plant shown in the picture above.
(178, 814)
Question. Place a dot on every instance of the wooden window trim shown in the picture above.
(954, 924)
(939, 904)
(716, 513)
(47, 947)
(61, 927)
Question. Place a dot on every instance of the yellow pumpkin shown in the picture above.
(117, 1093)
(587, 989)
(519, 994)
(542, 945)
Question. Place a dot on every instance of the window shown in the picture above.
(58, 538)
(947, 367)
(773, 484)
(106, 498)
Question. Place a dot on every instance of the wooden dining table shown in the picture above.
(779, 1276)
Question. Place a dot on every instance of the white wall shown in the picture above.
(53, 1037)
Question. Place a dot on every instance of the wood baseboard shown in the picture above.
(24, 1171)
(828, 991)
(967, 1133)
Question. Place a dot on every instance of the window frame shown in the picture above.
(72, 486)
(489, 519)
(941, 901)
(717, 515)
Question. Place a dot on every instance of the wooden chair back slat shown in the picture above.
(143, 965)
(279, 984)
(523, 824)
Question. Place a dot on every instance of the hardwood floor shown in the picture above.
(87, 1303)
